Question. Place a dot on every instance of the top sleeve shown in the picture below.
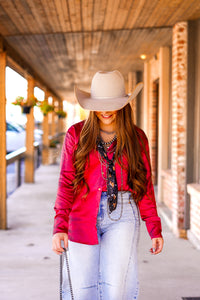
(65, 193)
(147, 205)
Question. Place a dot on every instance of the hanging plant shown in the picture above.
(61, 114)
(25, 104)
(45, 107)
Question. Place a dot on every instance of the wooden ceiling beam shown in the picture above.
(16, 62)
(90, 31)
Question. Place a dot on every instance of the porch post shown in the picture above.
(53, 119)
(29, 160)
(60, 120)
(132, 81)
(3, 213)
(163, 126)
(45, 138)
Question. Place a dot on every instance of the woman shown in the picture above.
(105, 182)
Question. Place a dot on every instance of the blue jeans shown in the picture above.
(107, 271)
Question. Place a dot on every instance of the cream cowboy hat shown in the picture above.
(107, 92)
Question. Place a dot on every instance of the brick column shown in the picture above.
(179, 112)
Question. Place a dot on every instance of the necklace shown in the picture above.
(108, 132)
(108, 143)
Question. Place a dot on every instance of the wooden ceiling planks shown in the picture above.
(110, 14)
(99, 14)
(53, 16)
(41, 25)
(123, 13)
(66, 41)
(13, 15)
(24, 14)
(154, 10)
(135, 12)
(87, 15)
(63, 15)
(75, 15)
(185, 9)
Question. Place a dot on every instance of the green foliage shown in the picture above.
(45, 107)
(61, 113)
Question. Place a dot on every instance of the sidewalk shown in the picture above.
(30, 270)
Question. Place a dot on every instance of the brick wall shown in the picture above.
(194, 233)
(179, 100)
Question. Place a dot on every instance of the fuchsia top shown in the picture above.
(76, 215)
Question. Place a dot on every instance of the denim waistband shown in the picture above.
(126, 195)
(126, 210)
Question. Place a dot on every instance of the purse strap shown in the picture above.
(62, 257)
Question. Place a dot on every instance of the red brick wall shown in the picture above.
(179, 100)
(194, 217)
(194, 191)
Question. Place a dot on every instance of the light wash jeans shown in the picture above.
(107, 271)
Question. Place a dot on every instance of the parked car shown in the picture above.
(16, 136)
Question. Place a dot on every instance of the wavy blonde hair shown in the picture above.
(127, 143)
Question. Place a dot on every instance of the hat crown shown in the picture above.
(108, 85)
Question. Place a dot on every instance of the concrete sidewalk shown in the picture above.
(30, 270)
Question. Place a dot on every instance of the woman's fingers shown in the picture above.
(56, 242)
(66, 241)
(157, 245)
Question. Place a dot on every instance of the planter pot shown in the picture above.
(54, 153)
(26, 109)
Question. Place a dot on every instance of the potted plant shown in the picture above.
(25, 104)
(61, 114)
(54, 149)
(45, 107)
(53, 143)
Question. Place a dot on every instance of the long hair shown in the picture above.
(127, 144)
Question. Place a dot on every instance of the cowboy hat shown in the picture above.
(107, 92)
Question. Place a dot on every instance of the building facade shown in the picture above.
(170, 115)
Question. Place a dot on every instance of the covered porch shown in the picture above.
(30, 269)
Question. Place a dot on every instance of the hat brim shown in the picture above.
(105, 104)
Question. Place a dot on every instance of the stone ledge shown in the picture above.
(193, 239)
(193, 189)
(166, 213)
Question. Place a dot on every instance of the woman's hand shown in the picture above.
(56, 242)
(157, 245)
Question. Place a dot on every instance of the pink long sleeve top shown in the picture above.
(77, 215)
